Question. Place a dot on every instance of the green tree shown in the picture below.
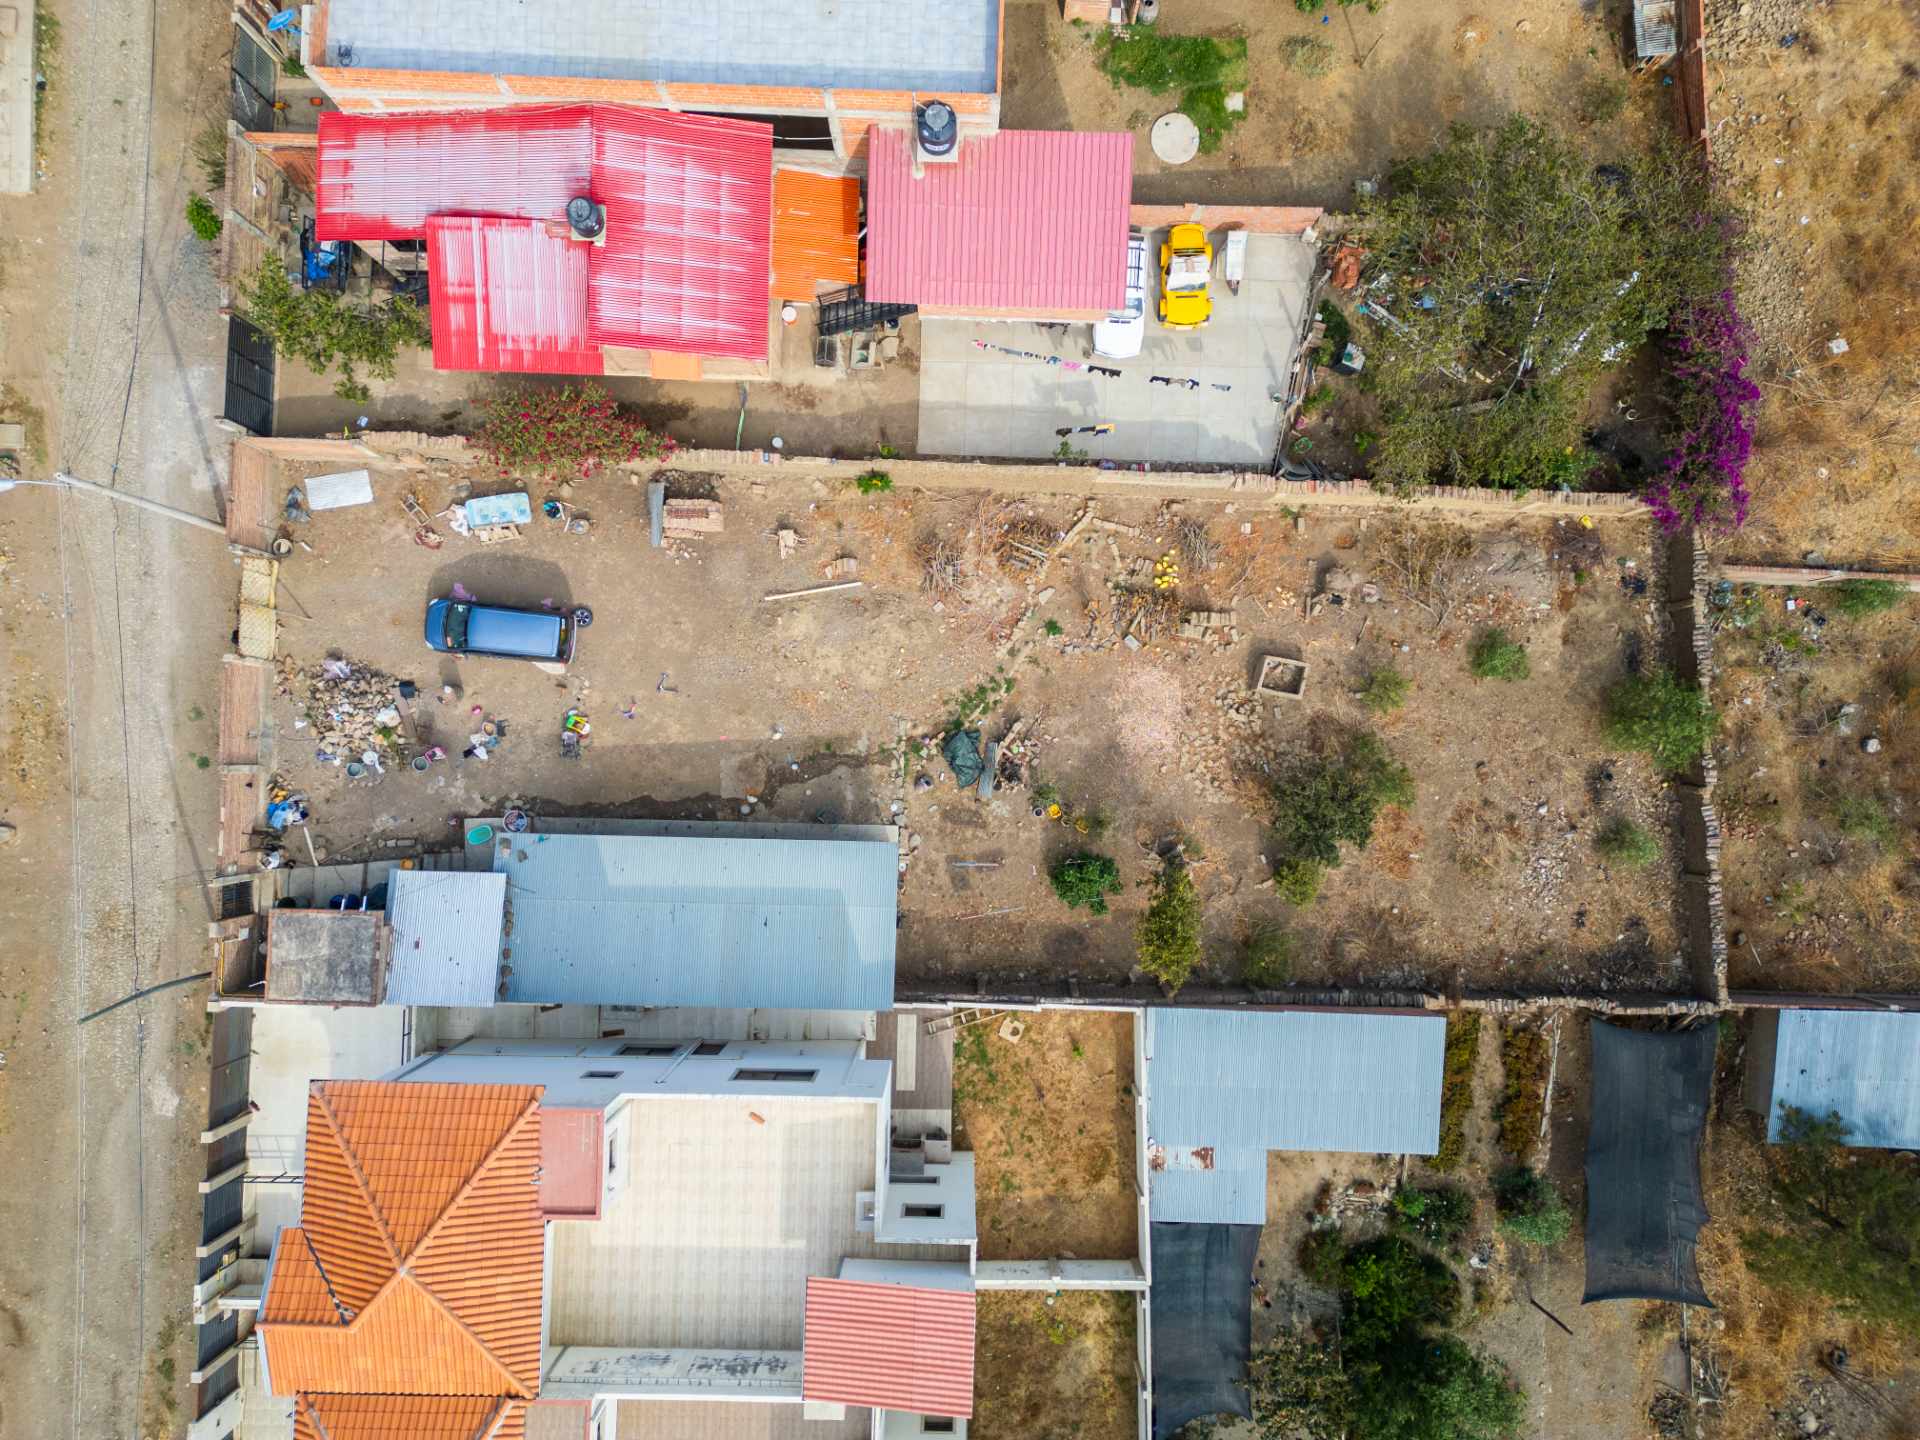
(319, 329)
(1434, 1389)
(1390, 1286)
(1085, 879)
(1851, 1227)
(1514, 271)
(1437, 1214)
(1169, 931)
(1662, 715)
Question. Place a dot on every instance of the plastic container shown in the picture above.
(479, 834)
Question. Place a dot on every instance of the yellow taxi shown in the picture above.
(1186, 262)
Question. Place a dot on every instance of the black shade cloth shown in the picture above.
(1644, 1206)
(1202, 1322)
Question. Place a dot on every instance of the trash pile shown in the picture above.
(351, 708)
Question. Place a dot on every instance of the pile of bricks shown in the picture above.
(1209, 625)
(686, 519)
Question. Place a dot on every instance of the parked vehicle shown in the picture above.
(1186, 264)
(1119, 336)
(460, 627)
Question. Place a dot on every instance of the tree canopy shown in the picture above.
(1505, 271)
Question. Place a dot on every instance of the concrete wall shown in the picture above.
(1060, 1275)
(593, 1073)
(919, 1274)
(1702, 901)
(903, 1425)
(948, 1186)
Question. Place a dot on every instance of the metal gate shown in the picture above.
(249, 377)
(252, 83)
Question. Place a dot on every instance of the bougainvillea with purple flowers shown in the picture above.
(1703, 479)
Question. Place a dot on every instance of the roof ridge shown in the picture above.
(339, 1305)
(405, 1262)
(492, 1423)
(359, 1174)
(519, 1390)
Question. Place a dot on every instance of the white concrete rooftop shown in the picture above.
(729, 1206)
(920, 45)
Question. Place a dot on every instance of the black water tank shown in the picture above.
(586, 218)
(937, 126)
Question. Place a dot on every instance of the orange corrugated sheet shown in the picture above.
(665, 365)
(408, 1417)
(416, 1269)
(816, 232)
(899, 1347)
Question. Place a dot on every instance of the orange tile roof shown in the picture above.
(816, 232)
(898, 1347)
(416, 1269)
(408, 1417)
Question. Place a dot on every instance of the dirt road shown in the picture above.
(111, 623)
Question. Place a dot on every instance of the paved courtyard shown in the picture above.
(987, 402)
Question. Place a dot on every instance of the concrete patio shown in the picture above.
(984, 402)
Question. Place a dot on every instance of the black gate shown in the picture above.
(252, 83)
(849, 309)
(249, 377)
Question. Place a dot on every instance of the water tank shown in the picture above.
(587, 220)
(936, 129)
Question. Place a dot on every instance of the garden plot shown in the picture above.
(1818, 779)
(1055, 1367)
(1049, 1117)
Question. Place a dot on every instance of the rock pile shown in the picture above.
(350, 707)
(1228, 761)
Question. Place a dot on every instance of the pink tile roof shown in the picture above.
(1024, 220)
(689, 203)
(896, 1346)
(508, 295)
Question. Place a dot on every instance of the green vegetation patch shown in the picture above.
(1456, 1089)
(1524, 1056)
(1202, 69)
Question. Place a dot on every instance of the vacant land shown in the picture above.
(1054, 1367)
(705, 699)
(1050, 1120)
(1393, 82)
(1818, 784)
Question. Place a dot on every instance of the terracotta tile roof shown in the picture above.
(895, 1346)
(408, 1417)
(416, 1269)
(816, 232)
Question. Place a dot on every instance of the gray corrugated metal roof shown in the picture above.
(446, 937)
(1226, 1086)
(655, 920)
(1863, 1064)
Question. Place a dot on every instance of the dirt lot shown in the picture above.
(802, 705)
(1821, 886)
(1054, 1367)
(1050, 1121)
(1305, 140)
(1817, 139)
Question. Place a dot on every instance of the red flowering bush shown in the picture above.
(1702, 481)
(570, 431)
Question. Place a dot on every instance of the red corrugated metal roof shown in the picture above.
(688, 200)
(508, 295)
(896, 1346)
(1024, 220)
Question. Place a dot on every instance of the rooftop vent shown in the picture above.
(587, 220)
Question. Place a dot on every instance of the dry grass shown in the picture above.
(1054, 1367)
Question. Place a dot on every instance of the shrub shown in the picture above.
(570, 431)
(1297, 881)
(1169, 932)
(1384, 690)
(1085, 878)
(1626, 844)
(1308, 54)
(874, 482)
(316, 328)
(210, 153)
(1456, 1088)
(1856, 599)
(291, 67)
(1322, 801)
(1659, 714)
(1702, 481)
(1334, 337)
(203, 219)
(1530, 1207)
(1524, 1057)
(1496, 656)
(1435, 1389)
(1391, 1286)
(1438, 1214)
(1266, 963)
(1322, 1255)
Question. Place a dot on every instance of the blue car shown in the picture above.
(460, 627)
